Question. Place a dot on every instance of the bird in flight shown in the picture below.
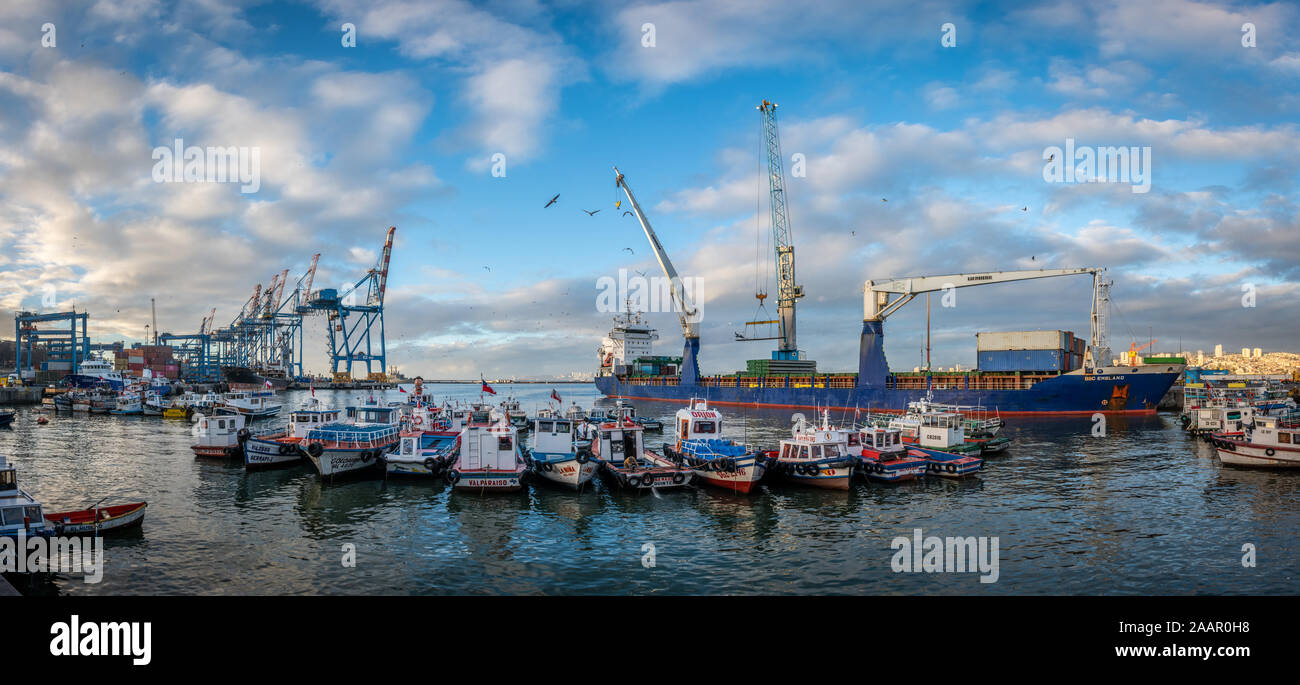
(591, 213)
(553, 200)
(487, 268)
(629, 250)
(627, 213)
(883, 200)
(1024, 209)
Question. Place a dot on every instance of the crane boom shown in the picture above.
(787, 291)
(377, 298)
(876, 304)
(311, 276)
(687, 314)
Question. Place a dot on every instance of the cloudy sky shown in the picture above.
(918, 158)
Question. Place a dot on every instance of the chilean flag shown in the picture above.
(487, 388)
(401, 389)
(268, 384)
(313, 390)
(556, 396)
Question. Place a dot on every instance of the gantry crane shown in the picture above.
(687, 313)
(351, 325)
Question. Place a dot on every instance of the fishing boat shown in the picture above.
(715, 460)
(514, 414)
(886, 458)
(155, 403)
(218, 435)
(254, 404)
(561, 451)
(286, 444)
(427, 444)
(575, 413)
(599, 415)
(19, 511)
(93, 373)
(816, 455)
(941, 436)
(97, 520)
(6, 417)
(102, 401)
(80, 403)
(1274, 442)
(355, 446)
(620, 449)
(489, 458)
(128, 402)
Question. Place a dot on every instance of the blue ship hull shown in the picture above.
(1118, 390)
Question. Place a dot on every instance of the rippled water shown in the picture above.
(1145, 510)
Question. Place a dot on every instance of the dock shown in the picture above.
(21, 395)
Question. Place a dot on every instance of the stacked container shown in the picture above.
(1031, 351)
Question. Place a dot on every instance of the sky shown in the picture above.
(921, 132)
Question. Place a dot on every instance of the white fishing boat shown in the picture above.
(128, 402)
(715, 460)
(489, 458)
(252, 403)
(286, 444)
(515, 414)
(355, 446)
(1273, 442)
(620, 448)
(427, 445)
(816, 455)
(561, 451)
(575, 413)
(19, 511)
(155, 404)
(218, 435)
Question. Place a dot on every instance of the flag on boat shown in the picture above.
(556, 396)
(268, 384)
(313, 389)
(487, 388)
(401, 389)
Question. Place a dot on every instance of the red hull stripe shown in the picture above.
(1090, 412)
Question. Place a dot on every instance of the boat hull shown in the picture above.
(261, 453)
(98, 522)
(489, 481)
(895, 470)
(949, 465)
(817, 476)
(216, 451)
(1069, 393)
(567, 472)
(340, 462)
(1238, 453)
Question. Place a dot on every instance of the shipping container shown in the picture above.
(1023, 340)
(1023, 360)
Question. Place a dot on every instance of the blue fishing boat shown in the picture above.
(354, 447)
(561, 451)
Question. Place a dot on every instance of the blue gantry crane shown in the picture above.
(355, 320)
(65, 347)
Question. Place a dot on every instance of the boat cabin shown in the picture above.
(553, 435)
(1276, 430)
(489, 446)
(19, 511)
(599, 415)
(218, 430)
(372, 414)
(935, 429)
(616, 442)
(698, 422)
(301, 421)
(809, 442)
(575, 412)
(881, 440)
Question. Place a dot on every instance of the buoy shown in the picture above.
(42, 420)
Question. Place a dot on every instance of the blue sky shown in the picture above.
(400, 130)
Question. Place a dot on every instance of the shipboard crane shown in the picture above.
(877, 305)
(787, 291)
(687, 313)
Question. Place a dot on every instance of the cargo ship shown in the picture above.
(1065, 377)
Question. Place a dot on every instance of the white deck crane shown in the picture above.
(687, 313)
(877, 305)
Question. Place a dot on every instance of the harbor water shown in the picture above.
(1142, 509)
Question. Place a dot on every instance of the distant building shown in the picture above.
(1218, 350)
(1258, 353)
(1245, 352)
(1200, 357)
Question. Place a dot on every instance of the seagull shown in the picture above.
(591, 213)
(1024, 209)
(883, 200)
(553, 200)
(629, 250)
(627, 213)
(1051, 157)
(487, 268)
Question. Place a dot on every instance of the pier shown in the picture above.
(21, 395)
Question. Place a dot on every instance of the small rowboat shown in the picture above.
(98, 520)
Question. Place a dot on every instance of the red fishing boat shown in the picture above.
(98, 520)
